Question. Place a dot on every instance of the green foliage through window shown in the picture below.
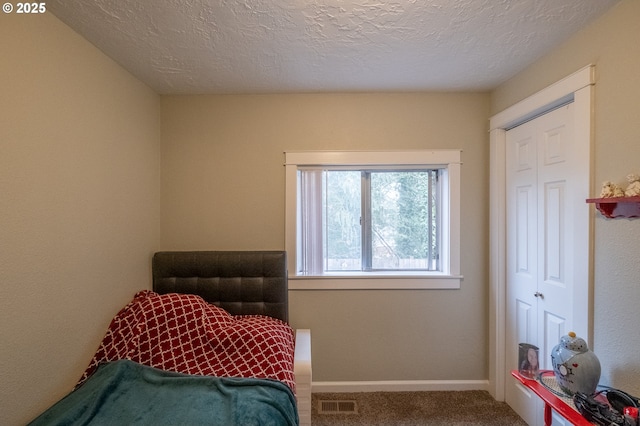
(380, 219)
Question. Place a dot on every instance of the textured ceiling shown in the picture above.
(283, 46)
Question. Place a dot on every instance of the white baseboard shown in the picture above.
(400, 386)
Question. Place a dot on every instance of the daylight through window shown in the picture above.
(370, 219)
(373, 213)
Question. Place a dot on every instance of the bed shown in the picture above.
(209, 344)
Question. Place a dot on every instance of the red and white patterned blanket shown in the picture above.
(183, 333)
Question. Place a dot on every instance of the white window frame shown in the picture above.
(448, 278)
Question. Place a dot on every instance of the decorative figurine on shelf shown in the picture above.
(633, 189)
(610, 190)
(577, 369)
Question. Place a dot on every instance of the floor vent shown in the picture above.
(337, 407)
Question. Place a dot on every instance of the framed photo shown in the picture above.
(528, 360)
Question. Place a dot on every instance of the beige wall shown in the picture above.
(79, 207)
(223, 188)
(611, 43)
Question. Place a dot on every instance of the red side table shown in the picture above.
(564, 407)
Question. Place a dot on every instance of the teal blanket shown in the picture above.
(127, 393)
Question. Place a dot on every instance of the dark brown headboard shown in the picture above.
(241, 282)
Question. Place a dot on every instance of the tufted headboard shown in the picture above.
(241, 282)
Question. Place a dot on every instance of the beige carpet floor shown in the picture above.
(417, 408)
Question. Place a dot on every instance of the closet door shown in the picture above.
(540, 245)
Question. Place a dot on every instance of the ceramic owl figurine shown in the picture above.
(577, 369)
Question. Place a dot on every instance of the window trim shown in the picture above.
(447, 279)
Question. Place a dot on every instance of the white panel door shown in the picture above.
(540, 245)
(522, 260)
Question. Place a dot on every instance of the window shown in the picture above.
(361, 215)
(368, 219)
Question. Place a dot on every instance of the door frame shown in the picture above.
(577, 87)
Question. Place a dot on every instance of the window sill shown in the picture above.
(379, 281)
